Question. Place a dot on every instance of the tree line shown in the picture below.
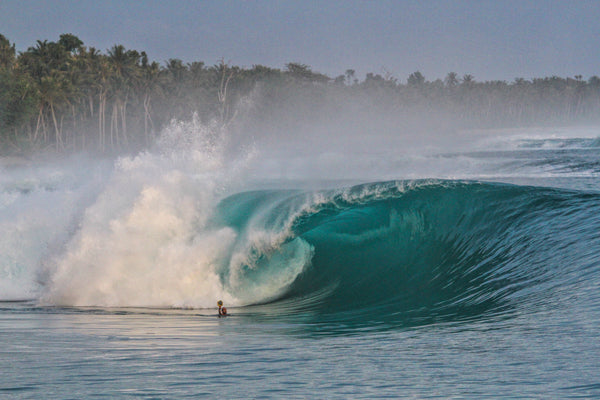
(69, 97)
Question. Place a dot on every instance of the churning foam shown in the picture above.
(148, 240)
(40, 204)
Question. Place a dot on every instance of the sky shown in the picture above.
(491, 40)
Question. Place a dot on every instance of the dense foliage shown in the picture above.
(71, 97)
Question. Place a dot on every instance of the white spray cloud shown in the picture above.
(40, 204)
(148, 241)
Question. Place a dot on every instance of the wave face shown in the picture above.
(413, 251)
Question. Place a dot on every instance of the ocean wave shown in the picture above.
(411, 250)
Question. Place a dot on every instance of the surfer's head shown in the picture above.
(220, 303)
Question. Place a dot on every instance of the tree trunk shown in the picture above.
(58, 134)
(124, 121)
(114, 126)
(147, 118)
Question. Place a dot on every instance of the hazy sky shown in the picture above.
(488, 39)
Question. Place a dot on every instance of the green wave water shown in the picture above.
(415, 252)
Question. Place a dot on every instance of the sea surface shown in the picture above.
(465, 272)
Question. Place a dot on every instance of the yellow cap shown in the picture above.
(219, 303)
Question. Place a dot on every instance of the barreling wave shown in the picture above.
(163, 229)
(407, 251)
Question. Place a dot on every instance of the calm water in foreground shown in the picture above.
(65, 353)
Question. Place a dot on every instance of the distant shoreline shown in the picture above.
(69, 97)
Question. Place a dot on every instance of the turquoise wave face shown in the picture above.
(410, 253)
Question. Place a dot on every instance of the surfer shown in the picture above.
(222, 310)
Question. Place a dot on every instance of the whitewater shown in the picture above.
(457, 265)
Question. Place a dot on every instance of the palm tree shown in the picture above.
(52, 94)
(125, 72)
(148, 87)
(7, 53)
(451, 79)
